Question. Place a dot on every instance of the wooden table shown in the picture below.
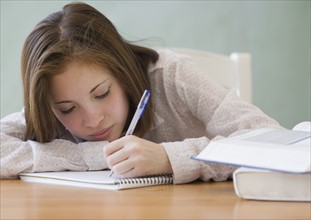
(21, 200)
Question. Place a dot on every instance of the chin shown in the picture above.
(109, 139)
(114, 137)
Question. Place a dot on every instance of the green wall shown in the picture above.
(276, 33)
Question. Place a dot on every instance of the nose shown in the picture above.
(92, 117)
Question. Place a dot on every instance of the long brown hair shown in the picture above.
(79, 32)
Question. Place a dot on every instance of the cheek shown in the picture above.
(119, 108)
(68, 122)
(74, 128)
(123, 109)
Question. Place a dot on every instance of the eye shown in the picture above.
(103, 95)
(65, 112)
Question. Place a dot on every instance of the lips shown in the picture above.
(102, 134)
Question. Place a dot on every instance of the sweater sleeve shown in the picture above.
(187, 170)
(222, 113)
(30, 156)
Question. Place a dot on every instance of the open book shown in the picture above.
(272, 149)
(95, 179)
(275, 164)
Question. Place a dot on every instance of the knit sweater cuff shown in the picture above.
(184, 168)
(93, 155)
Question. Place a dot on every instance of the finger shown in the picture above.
(118, 144)
(123, 168)
(113, 147)
(133, 172)
(116, 157)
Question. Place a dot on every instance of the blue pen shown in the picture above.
(139, 112)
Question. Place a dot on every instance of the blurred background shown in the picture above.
(275, 33)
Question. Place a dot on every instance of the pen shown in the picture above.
(139, 112)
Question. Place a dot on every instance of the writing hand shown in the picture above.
(131, 156)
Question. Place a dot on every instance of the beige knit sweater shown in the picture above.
(190, 110)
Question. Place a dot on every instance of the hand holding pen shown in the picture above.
(139, 112)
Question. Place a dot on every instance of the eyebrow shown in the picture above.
(92, 90)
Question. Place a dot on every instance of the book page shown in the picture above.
(96, 177)
(303, 126)
(285, 137)
(263, 148)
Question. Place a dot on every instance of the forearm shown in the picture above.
(186, 170)
(29, 156)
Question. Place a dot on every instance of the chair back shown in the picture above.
(233, 71)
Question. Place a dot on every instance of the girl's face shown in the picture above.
(89, 102)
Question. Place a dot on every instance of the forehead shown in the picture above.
(78, 77)
(81, 71)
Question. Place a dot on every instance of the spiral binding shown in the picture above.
(147, 180)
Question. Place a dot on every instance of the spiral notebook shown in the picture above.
(95, 179)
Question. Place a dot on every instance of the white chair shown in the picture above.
(232, 71)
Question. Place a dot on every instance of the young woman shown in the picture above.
(82, 83)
